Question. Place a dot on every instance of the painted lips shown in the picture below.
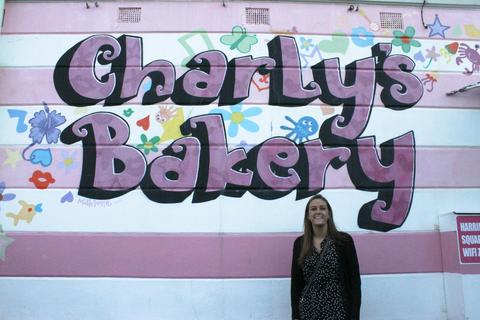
(41, 180)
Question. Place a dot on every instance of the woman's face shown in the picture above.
(318, 212)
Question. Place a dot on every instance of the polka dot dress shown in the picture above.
(322, 300)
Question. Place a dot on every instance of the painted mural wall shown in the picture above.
(156, 158)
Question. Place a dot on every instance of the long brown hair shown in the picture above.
(307, 244)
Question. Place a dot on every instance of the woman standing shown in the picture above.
(325, 276)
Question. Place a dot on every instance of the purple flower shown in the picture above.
(44, 124)
(69, 161)
(432, 54)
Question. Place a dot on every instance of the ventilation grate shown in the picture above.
(391, 20)
(129, 15)
(257, 16)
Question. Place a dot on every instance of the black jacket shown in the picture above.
(350, 276)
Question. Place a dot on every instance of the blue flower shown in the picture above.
(306, 43)
(6, 196)
(44, 124)
(239, 118)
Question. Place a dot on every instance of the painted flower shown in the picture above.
(419, 56)
(237, 118)
(432, 54)
(405, 39)
(5, 196)
(306, 43)
(149, 145)
(44, 124)
(69, 161)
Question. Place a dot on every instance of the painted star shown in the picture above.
(4, 243)
(437, 28)
(13, 156)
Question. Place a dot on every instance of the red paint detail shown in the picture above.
(405, 39)
(41, 180)
(144, 123)
(258, 86)
(452, 47)
(265, 78)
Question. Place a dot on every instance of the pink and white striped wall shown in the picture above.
(229, 258)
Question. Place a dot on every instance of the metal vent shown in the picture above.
(129, 15)
(391, 20)
(257, 16)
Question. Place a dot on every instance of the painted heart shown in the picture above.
(68, 197)
(144, 123)
(419, 56)
(338, 43)
(452, 48)
(41, 156)
(262, 83)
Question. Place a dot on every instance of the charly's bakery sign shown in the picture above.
(200, 161)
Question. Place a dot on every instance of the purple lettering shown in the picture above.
(357, 94)
(200, 163)
(203, 82)
(130, 74)
(401, 88)
(319, 158)
(113, 168)
(276, 157)
(75, 75)
(209, 129)
(392, 175)
(171, 178)
(286, 84)
(236, 87)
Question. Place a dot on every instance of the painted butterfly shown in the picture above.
(239, 39)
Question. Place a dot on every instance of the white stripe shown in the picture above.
(133, 212)
(432, 127)
(396, 297)
(471, 288)
(16, 49)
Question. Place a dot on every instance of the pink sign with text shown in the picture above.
(468, 232)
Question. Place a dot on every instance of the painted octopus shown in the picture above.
(472, 55)
(302, 129)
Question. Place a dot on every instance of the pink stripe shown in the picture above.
(207, 255)
(447, 167)
(39, 82)
(74, 17)
(458, 168)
